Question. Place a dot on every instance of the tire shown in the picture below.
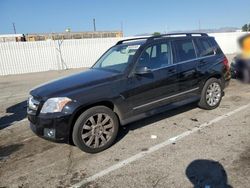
(216, 95)
(95, 129)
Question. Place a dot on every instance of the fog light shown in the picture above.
(50, 133)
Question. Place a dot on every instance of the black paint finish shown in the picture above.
(131, 96)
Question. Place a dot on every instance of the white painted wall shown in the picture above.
(26, 57)
(228, 41)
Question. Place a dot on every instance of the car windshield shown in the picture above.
(117, 58)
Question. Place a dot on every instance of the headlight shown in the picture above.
(54, 105)
(32, 103)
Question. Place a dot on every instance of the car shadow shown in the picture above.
(17, 112)
(204, 173)
(6, 151)
(124, 130)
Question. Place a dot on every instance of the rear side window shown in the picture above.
(184, 50)
(215, 46)
(205, 48)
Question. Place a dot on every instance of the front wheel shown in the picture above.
(96, 129)
(211, 94)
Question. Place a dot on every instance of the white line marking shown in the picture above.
(27, 139)
(155, 148)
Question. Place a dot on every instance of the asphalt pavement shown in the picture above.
(178, 148)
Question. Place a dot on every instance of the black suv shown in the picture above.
(134, 79)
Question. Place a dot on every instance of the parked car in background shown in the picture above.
(134, 79)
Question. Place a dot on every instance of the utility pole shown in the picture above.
(94, 25)
(14, 27)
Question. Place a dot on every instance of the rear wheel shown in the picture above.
(96, 129)
(211, 94)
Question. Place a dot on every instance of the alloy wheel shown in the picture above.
(97, 130)
(213, 94)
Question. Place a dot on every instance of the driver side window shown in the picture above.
(155, 56)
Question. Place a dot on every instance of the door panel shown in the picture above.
(188, 75)
(186, 61)
(207, 57)
(147, 91)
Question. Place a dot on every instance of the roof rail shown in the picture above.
(125, 40)
(169, 34)
(160, 36)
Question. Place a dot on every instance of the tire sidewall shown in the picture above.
(204, 91)
(77, 136)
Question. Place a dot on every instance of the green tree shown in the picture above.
(156, 33)
(245, 27)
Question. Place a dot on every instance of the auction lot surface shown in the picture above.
(143, 155)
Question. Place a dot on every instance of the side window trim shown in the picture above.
(174, 60)
(195, 59)
(198, 57)
(195, 49)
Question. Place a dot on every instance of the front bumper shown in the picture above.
(51, 127)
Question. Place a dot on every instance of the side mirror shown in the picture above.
(142, 70)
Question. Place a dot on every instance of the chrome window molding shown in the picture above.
(182, 62)
(165, 98)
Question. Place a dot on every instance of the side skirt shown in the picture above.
(159, 110)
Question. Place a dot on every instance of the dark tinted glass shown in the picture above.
(184, 50)
(155, 56)
(215, 45)
(205, 48)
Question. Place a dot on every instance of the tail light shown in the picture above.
(226, 63)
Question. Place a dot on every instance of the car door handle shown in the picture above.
(189, 73)
(202, 62)
(173, 70)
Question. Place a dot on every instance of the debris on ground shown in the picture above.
(153, 136)
(194, 119)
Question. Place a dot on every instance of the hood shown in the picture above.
(62, 86)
